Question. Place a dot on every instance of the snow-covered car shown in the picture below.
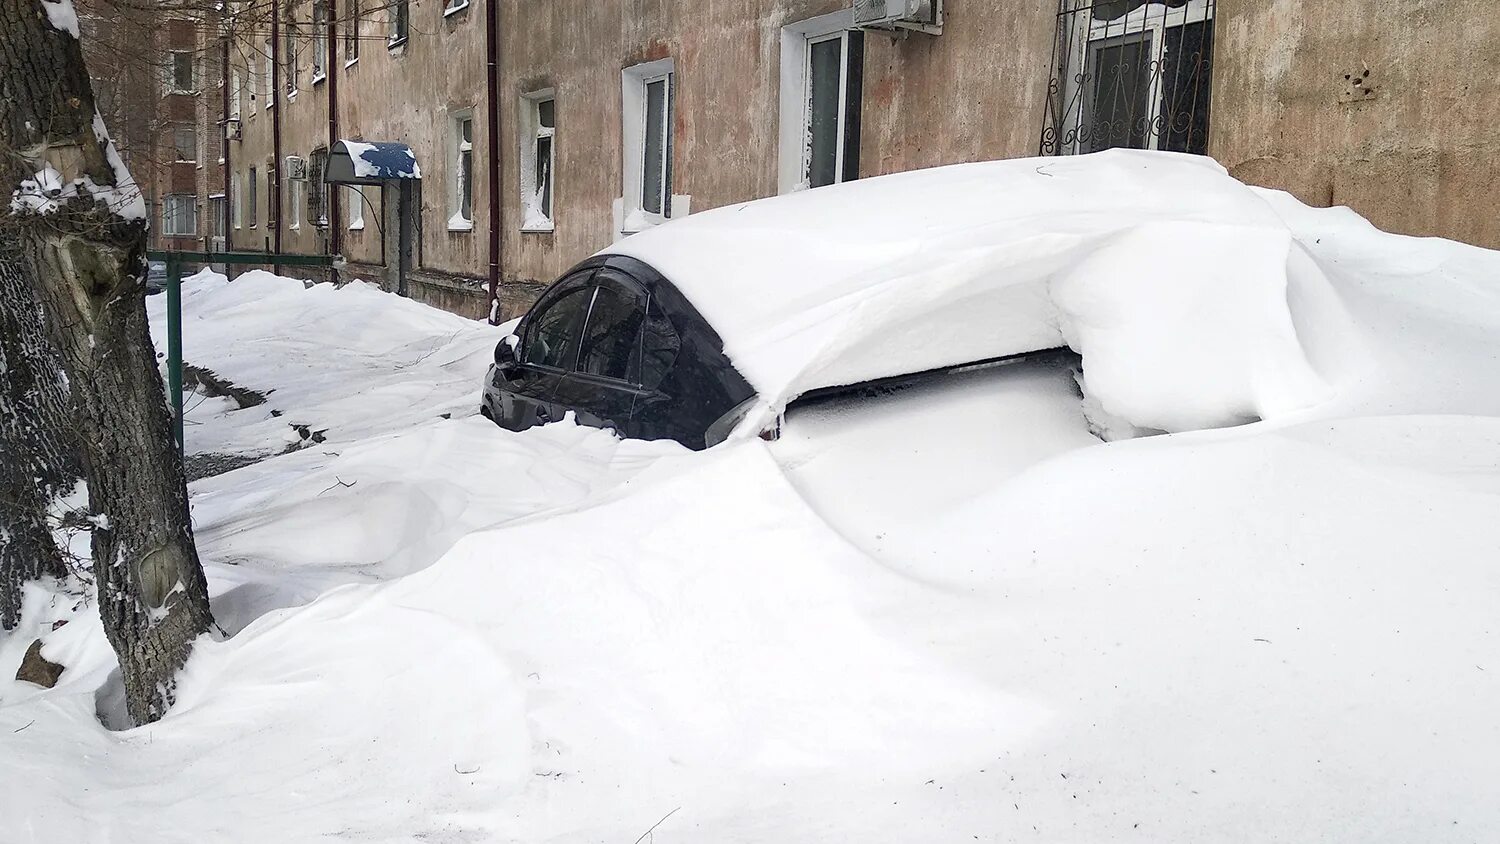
(711, 326)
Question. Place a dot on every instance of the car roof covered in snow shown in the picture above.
(924, 269)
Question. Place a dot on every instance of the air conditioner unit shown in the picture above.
(232, 129)
(296, 168)
(899, 16)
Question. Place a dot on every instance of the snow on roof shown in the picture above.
(932, 268)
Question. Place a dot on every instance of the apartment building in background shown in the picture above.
(614, 117)
(157, 78)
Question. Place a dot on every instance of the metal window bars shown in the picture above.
(1130, 73)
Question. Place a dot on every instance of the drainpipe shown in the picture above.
(330, 193)
(492, 89)
(276, 106)
(224, 150)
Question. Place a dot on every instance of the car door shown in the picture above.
(548, 350)
(605, 380)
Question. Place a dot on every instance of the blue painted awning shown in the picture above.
(371, 163)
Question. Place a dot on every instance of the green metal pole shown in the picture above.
(174, 346)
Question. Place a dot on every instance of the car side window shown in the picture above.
(552, 337)
(612, 331)
(658, 348)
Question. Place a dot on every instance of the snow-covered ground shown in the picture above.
(947, 613)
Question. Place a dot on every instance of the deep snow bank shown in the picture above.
(345, 361)
(1169, 273)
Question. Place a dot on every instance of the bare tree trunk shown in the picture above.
(38, 454)
(85, 250)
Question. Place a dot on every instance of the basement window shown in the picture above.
(647, 143)
(822, 66)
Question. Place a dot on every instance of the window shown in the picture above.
(289, 60)
(216, 208)
(552, 338)
(463, 173)
(351, 32)
(1132, 73)
(354, 203)
(296, 189)
(252, 74)
(317, 191)
(270, 86)
(398, 20)
(822, 69)
(185, 142)
(832, 150)
(250, 191)
(180, 72)
(236, 94)
(538, 160)
(647, 145)
(179, 215)
(320, 41)
(274, 182)
(611, 334)
(237, 200)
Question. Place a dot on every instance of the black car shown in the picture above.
(617, 344)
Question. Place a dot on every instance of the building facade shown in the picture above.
(616, 116)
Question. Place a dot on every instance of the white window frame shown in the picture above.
(533, 219)
(320, 41)
(354, 208)
(1149, 21)
(457, 222)
(236, 94)
(793, 144)
(633, 81)
(185, 202)
(453, 7)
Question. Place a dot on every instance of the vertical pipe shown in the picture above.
(224, 150)
(274, 205)
(174, 346)
(492, 91)
(331, 198)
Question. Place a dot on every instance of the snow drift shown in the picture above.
(1162, 268)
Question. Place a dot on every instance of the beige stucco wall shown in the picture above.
(405, 94)
(975, 92)
(1418, 155)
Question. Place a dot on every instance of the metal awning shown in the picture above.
(365, 163)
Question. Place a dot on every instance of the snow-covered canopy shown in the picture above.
(1134, 256)
(362, 163)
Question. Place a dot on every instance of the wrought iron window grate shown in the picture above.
(1130, 73)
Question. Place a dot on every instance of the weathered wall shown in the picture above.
(1418, 154)
(976, 92)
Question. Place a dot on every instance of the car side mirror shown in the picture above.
(505, 351)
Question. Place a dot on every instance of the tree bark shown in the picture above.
(86, 255)
(38, 453)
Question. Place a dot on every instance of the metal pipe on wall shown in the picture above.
(274, 102)
(492, 90)
(224, 149)
(330, 193)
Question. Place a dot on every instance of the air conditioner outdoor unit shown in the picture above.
(900, 16)
(296, 168)
(232, 129)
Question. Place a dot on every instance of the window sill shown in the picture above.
(460, 229)
(396, 45)
(357, 227)
(453, 10)
(319, 78)
(351, 62)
